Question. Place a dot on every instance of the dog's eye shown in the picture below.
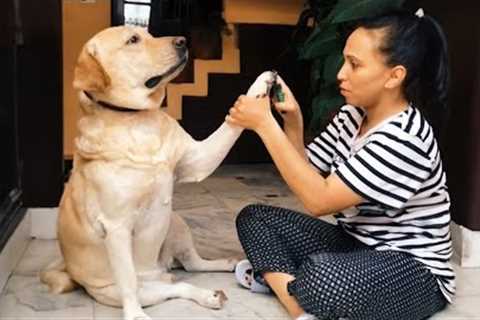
(134, 39)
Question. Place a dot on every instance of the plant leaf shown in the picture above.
(333, 63)
(348, 10)
(323, 103)
(325, 44)
(320, 43)
(316, 73)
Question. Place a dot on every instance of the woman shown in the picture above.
(378, 167)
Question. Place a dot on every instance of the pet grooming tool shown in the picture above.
(274, 89)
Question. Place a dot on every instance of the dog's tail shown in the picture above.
(57, 278)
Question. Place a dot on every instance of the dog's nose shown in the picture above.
(180, 43)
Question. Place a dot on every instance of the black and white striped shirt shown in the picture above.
(397, 169)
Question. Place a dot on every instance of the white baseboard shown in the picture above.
(44, 223)
(466, 246)
(14, 249)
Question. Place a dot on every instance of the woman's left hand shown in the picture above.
(251, 113)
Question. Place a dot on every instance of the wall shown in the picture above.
(81, 20)
(460, 145)
(284, 12)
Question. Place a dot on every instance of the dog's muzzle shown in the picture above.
(180, 46)
(154, 81)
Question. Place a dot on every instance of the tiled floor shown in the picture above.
(209, 208)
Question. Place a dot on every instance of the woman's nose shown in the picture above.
(341, 75)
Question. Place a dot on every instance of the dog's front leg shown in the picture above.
(118, 242)
(201, 158)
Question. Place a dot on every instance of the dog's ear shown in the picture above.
(89, 73)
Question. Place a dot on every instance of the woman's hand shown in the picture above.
(251, 113)
(289, 109)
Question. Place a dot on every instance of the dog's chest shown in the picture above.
(145, 142)
(117, 195)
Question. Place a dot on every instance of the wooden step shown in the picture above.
(230, 63)
(202, 115)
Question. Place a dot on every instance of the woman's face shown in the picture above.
(364, 73)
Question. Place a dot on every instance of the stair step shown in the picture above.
(202, 115)
(230, 63)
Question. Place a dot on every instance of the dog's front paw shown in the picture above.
(259, 87)
(137, 316)
(134, 312)
(214, 299)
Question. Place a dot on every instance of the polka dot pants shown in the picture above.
(336, 276)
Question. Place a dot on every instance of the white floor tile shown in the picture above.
(27, 298)
(464, 308)
(38, 255)
(14, 250)
(210, 208)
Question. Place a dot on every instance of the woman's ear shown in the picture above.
(89, 73)
(397, 76)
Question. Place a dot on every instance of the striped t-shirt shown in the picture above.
(397, 169)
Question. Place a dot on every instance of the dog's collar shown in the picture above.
(109, 105)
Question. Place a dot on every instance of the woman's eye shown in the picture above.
(133, 39)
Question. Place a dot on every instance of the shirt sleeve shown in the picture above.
(387, 170)
(322, 149)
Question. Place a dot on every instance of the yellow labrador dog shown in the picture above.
(116, 229)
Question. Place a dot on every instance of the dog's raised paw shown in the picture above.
(259, 86)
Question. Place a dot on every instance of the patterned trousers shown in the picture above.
(336, 276)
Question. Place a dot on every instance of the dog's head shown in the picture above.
(127, 67)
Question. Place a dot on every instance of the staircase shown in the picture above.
(272, 12)
(261, 31)
(230, 63)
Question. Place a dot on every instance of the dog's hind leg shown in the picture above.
(57, 278)
(179, 247)
(191, 261)
(154, 292)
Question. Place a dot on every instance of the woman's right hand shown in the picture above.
(289, 109)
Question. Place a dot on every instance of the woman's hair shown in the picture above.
(418, 44)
